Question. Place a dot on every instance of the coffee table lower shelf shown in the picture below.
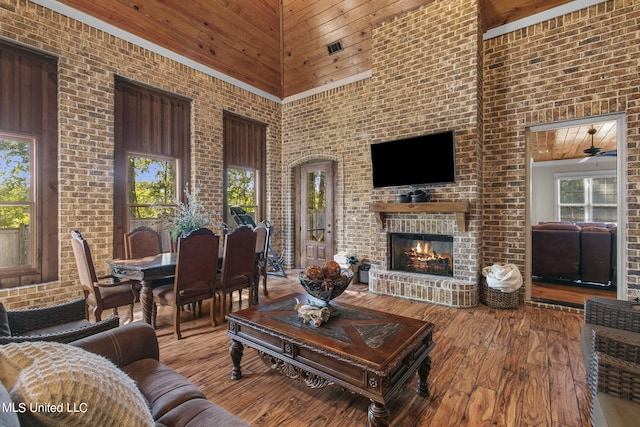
(368, 352)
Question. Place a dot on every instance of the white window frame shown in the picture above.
(588, 202)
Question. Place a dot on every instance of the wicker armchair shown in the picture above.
(611, 334)
(63, 322)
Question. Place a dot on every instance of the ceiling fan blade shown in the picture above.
(592, 151)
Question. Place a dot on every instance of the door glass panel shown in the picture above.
(316, 202)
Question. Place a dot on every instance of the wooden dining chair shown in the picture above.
(262, 243)
(195, 278)
(105, 292)
(238, 265)
(142, 242)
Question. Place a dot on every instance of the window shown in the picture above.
(29, 217)
(152, 194)
(241, 191)
(17, 202)
(245, 143)
(587, 198)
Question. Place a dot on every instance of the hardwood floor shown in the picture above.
(491, 367)
(569, 295)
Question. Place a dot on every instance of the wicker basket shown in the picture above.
(495, 298)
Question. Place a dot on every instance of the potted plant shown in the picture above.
(190, 216)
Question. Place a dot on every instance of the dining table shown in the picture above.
(153, 270)
(146, 270)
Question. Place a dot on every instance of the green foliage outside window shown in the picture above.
(15, 175)
(152, 187)
(241, 187)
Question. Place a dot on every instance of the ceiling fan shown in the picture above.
(594, 151)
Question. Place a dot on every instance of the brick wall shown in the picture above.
(421, 82)
(578, 65)
(88, 61)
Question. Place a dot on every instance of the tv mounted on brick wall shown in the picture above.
(419, 160)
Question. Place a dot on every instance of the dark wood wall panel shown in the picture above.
(28, 105)
(151, 122)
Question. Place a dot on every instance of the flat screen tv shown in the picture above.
(419, 160)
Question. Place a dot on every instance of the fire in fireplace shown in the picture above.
(422, 253)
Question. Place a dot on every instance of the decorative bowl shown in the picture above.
(321, 292)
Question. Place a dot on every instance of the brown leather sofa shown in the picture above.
(596, 251)
(583, 251)
(172, 398)
(556, 250)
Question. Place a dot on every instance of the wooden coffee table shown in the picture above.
(369, 352)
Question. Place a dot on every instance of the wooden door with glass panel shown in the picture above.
(316, 213)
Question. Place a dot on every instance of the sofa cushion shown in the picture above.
(163, 387)
(199, 413)
(5, 331)
(76, 386)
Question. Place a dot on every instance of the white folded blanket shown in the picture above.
(505, 278)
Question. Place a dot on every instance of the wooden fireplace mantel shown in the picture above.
(459, 208)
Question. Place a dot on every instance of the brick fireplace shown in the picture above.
(458, 289)
(421, 253)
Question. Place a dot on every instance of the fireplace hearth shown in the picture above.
(422, 253)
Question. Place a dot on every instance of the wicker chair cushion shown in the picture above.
(5, 331)
(61, 374)
(51, 330)
(612, 411)
(587, 334)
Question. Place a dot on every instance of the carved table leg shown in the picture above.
(235, 351)
(423, 373)
(146, 301)
(378, 415)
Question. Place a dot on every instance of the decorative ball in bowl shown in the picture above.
(325, 283)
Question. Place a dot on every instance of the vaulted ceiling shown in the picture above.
(276, 46)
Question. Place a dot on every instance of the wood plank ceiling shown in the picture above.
(280, 46)
(570, 143)
(277, 46)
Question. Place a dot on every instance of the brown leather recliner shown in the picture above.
(556, 250)
(596, 245)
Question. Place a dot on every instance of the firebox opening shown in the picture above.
(422, 253)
